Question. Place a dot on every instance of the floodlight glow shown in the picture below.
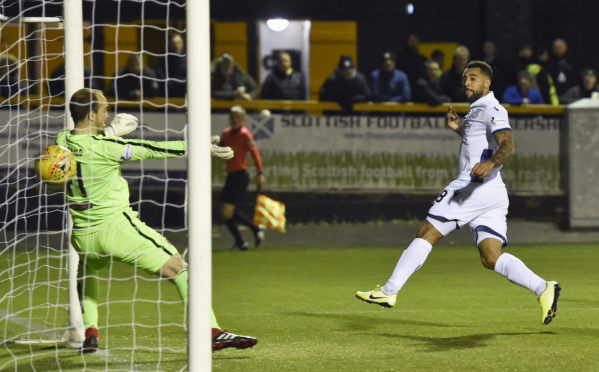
(277, 24)
(410, 8)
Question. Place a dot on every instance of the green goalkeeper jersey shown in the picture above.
(98, 192)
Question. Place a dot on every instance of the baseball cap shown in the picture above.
(587, 72)
(345, 62)
(225, 57)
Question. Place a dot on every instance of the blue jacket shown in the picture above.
(390, 86)
(512, 95)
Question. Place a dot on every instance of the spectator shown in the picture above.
(561, 70)
(587, 89)
(522, 93)
(540, 74)
(524, 59)
(413, 61)
(390, 84)
(229, 81)
(56, 83)
(502, 70)
(10, 81)
(345, 85)
(172, 70)
(284, 82)
(428, 89)
(438, 56)
(134, 81)
(451, 80)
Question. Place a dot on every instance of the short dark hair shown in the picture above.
(484, 67)
(82, 103)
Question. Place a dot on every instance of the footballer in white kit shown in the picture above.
(477, 197)
(482, 203)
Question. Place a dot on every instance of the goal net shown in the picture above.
(134, 51)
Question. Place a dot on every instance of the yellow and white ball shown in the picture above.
(56, 165)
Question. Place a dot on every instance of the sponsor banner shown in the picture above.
(303, 152)
(400, 152)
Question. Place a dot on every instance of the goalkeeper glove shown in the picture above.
(121, 125)
(215, 140)
(219, 151)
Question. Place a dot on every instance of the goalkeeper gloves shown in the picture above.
(119, 126)
(220, 151)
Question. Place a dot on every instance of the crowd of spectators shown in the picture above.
(532, 76)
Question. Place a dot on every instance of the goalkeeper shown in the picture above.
(105, 227)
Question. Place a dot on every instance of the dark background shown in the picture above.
(382, 24)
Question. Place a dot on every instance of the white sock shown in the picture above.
(411, 260)
(516, 271)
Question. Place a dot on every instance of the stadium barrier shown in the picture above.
(382, 148)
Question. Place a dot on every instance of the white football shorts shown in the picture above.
(482, 206)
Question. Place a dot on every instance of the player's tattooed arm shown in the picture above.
(453, 122)
(506, 147)
(502, 155)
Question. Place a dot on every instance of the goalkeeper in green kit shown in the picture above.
(105, 227)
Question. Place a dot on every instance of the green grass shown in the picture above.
(452, 315)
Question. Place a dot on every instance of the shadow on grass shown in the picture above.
(435, 344)
(357, 322)
(227, 357)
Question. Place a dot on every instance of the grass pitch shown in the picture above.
(452, 315)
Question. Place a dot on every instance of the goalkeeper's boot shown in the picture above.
(90, 345)
(377, 296)
(548, 302)
(221, 339)
(259, 235)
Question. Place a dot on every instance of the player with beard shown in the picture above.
(477, 198)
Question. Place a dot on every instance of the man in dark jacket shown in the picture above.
(229, 81)
(284, 82)
(346, 85)
(451, 80)
(587, 89)
(428, 89)
(172, 69)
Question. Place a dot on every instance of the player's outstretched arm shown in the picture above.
(452, 120)
(502, 155)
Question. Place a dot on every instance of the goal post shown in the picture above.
(198, 110)
(141, 319)
(73, 51)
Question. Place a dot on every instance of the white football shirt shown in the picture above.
(485, 118)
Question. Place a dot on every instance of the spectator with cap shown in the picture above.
(523, 92)
(284, 82)
(588, 88)
(345, 85)
(451, 80)
(428, 89)
(388, 83)
(229, 81)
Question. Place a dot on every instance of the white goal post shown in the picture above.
(142, 321)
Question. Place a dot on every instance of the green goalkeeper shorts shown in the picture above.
(126, 239)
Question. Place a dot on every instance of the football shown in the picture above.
(56, 165)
